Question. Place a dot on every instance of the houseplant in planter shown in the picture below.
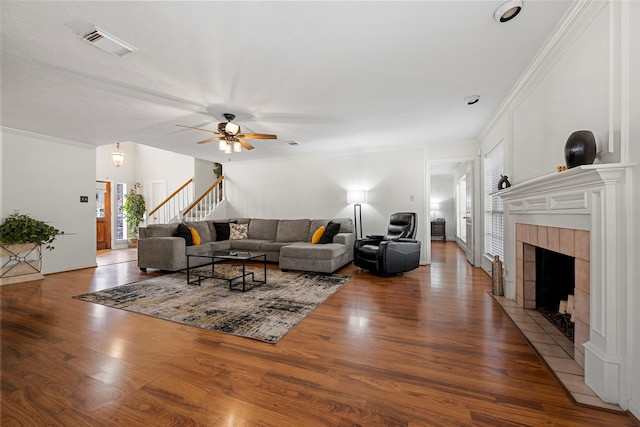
(21, 240)
(134, 208)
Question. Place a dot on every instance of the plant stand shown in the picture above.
(20, 263)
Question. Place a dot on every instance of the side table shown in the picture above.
(439, 228)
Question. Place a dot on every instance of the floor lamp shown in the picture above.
(435, 207)
(357, 198)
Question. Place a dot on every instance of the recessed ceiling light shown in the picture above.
(470, 100)
(508, 10)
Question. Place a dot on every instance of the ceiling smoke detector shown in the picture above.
(105, 41)
(473, 99)
(508, 10)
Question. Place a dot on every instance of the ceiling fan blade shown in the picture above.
(215, 138)
(245, 144)
(257, 136)
(203, 130)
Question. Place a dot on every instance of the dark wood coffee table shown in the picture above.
(240, 256)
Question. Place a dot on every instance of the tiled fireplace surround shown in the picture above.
(566, 241)
(577, 213)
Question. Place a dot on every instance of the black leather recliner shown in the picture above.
(395, 252)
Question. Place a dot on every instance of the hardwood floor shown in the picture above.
(428, 348)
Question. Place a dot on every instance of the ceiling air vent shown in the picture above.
(105, 41)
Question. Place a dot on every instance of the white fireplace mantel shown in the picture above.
(575, 178)
(589, 197)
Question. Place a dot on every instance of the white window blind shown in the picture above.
(494, 212)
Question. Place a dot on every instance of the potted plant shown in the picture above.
(134, 208)
(20, 228)
(21, 240)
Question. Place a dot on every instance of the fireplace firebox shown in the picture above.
(555, 278)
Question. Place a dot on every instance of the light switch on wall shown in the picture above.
(412, 198)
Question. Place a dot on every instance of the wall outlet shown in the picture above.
(84, 199)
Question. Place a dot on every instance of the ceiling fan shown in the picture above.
(230, 137)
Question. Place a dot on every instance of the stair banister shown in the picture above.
(206, 203)
(172, 206)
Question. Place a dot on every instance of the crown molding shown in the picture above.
(47, 138)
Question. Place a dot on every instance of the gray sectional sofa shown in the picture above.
(285, 241)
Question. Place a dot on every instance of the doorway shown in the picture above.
(451, 203)
(467, 202)
(103, 215)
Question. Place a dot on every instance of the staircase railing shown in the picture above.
(206, 203)
(170, 210)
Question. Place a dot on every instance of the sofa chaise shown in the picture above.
(285, 241)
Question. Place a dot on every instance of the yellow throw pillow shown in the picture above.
(195, 236)
(317, 235)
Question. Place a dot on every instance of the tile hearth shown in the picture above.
(556, 350)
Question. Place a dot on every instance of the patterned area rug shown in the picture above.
(266, 312)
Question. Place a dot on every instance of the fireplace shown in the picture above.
(555, 289)
(561, 254)
(577, 213)
(555, 278)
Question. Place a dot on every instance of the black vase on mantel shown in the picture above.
(580, 149)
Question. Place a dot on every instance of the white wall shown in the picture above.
(45, 177)
(107, 171)
(145, 165)
(317, 187)
(1, 175)
(443, 193)
(203, 175)
(585, 78)
(633, 16)
(153, 164)
(451, 150)
(574, 95)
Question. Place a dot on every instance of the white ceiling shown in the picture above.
(331, 75)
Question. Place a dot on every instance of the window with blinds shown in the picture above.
(494, 212)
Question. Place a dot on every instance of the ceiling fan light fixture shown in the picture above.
(232, 128)
(229, 135)
(508, 10)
